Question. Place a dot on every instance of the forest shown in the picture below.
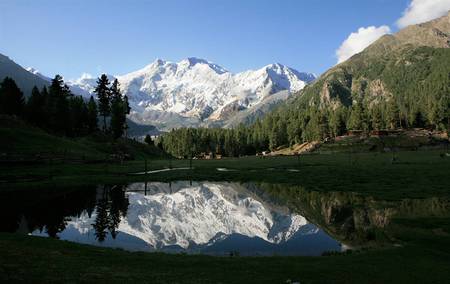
(56, 110)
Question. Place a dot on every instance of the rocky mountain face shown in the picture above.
(196, 92)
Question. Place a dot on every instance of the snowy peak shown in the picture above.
(197, 92)
(278, 69)
(193, 61)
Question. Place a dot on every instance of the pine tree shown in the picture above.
(357, 119)
(57, 105)
(11, 98)
(78, 117)
(148, 140)
(104, 101)
(44, 120)
(419, 120)
(127, 110)
(118, 116)
(293, 131)
(323, 126)
(337, 122)
(35, 108)
(376, 118)
(392, 114)
(92, 115)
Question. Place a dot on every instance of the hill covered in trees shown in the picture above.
(401, 81)
(54, 123)
(23, 78)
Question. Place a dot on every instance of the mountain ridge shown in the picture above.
(197, 92)
(25, 79)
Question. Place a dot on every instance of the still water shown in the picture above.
(215, 218)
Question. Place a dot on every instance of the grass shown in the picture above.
(20, 141)
(414, 174)
(423, 257)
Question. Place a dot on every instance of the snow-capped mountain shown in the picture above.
(196, 92)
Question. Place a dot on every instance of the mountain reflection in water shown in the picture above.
(209, 217)
(206, 217)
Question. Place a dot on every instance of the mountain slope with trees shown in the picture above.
(23, 78)
(401, 81)
(53, 123)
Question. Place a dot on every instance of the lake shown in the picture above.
(216, 218)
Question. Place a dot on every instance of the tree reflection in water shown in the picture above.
(49, 209)
(112, 205)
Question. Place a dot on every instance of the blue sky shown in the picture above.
(75, 36)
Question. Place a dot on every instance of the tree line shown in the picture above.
(58, 111)
(418, 97)
(293, 126)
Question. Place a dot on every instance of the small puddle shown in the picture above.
(159, 171)
(225, 170)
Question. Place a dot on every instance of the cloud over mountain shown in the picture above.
(420, 11)
(358, 41)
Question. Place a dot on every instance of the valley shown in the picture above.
(186, 172)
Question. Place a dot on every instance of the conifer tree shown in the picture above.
(118, 115)
(127, 110)
(148, 140)
(376, 118)
(92, 115)
(11, 98)
(44, 120)
(57, 105)
(357, 119)
(104, 101)
(392, 114)
(35, 108)
(337, 122)
(78, 116)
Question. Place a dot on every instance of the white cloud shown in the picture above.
(357, 42)
(420, 11)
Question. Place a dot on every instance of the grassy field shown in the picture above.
(422, 254)
(413, 174)
(21, 142)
